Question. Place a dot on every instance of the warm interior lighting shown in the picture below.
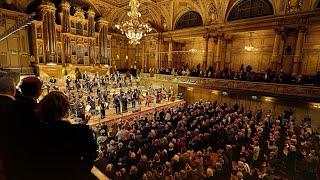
(193, 50)
(134, 28)
(249, 47)
(190, 89)
(316, 105)
(268, 99)
(215, 92)
(51, 64)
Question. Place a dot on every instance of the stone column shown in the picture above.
(157, 55)
(218, 53)
(275, 52)
(227, 61)
(211, 52)
(170, 53)
(143, 57)
(205, 56)
(297, 60)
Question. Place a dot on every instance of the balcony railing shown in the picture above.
(308, 93)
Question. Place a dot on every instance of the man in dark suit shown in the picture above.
(10, 151)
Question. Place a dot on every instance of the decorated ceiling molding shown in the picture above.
(163, 14)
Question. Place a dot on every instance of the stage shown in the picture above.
(112, 117)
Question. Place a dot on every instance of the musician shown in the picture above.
(53, 80)
(102, 109)
(124, 101)
(134, 97)
(85, 76)
(68, 81)
(117, 103)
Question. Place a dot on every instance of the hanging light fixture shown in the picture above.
(134, 28)
(249, 47)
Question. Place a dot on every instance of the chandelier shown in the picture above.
(249, 47)
(134, 28)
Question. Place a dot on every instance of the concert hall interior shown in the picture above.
(160, 89)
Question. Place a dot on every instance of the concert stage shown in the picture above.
(112, 117)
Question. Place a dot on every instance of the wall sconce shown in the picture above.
(268, 99)
(118, 57)
(316, 105)
(127, 57)
(190, 89)
(215, 92)
(224, 93)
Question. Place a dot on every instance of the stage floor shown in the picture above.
(111, 115)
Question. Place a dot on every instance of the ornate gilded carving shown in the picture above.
(213, 13)
(294, 6)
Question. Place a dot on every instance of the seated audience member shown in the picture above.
(69, 149)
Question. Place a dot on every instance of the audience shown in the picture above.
(245, 74)
(36, 143)
(209, 141)
(198, 141)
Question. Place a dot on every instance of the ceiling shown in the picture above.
(161, 14)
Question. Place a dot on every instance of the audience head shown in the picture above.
(2, 73)
(31, 87)
(53, 107)
(7, 86)
(15, 76)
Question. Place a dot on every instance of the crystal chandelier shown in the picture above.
(134, 28)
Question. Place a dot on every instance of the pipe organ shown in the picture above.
(63, 38)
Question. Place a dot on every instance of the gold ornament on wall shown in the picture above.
(294, 6)
(213, 13)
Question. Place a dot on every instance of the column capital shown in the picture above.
(91, 13)
(206, 36)
(302, 29)
(65, 5)
(47, 6)
(279, 30)
(228, 38)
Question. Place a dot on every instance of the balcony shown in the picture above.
(299, 92)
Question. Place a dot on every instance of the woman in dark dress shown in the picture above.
(68, 149)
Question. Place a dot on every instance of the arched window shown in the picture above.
(189, 19)
(250, 9)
